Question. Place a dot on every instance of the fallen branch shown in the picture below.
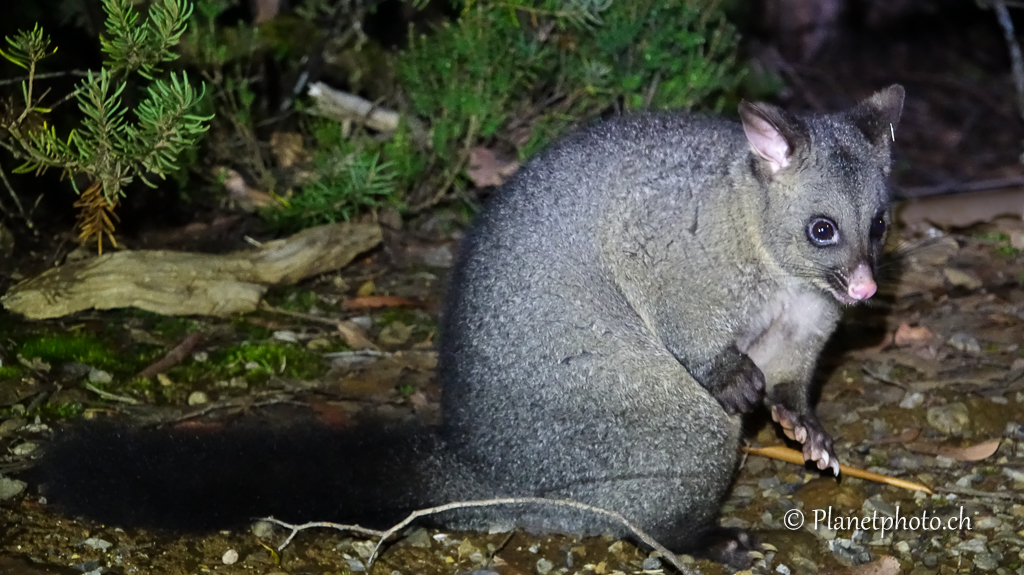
(341, 106)
(793, 456)
(182, 283)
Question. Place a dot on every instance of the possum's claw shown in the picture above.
(808, 431)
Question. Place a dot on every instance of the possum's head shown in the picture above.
(825, 207)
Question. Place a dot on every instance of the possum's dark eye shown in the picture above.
(822, 232)
(877, 228)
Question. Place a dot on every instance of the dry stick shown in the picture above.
(173, 357)
(979, 493)
(794, 456)
(14, 195)
(333, 322)
(111, 396)
(79, 73)
(953, 188)
(1017, 61)
(296, 528)
(240, 403)
(641, 535)
(385, 535)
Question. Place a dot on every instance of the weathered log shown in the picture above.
(182, 283)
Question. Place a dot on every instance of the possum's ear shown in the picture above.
(774, 136)
(878, 116)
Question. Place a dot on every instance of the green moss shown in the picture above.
(143, 384)
(257, 361)
(68, 347)
(999, 241)
(69, 410)
(173, 327)
(249, 330)
(404, 315)
(991, 237)
(11, 371)
(300, 300)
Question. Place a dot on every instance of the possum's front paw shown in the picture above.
(807, 429)
(739, 387)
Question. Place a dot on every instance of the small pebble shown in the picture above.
(99, 376)
(97, 544)
(24, 448)
(230, 557)
(972, 545)
(987, 523)
(986, 561)
(960, 278)
(364, 548)
(198, 398)
(964, 342)
(912, 400)
(652, 564)
(10, 487)
(1017, 476)
(11, 425)
(744, 491)
(288, 336)
(951, 419)
(419, 538)
(544, 567)
(262, 529)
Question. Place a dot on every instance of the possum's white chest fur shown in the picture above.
(774, 337)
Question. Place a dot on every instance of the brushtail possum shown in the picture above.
(617, 307)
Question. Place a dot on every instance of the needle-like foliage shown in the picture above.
(111, 147)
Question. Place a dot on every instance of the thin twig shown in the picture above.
(111, 396)
(1016, 59)
(333, 322)
(1007, 495)
(14, 195)
(640, 534)
(79, 73)
(296, 528)
(952, 188)
(460, 165)
(793, 456)
(240, 404)
(383, 536)
(173, 357)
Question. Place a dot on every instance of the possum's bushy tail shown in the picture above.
(202, 480)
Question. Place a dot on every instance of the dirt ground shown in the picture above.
(925, 384)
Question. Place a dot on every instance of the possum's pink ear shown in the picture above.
(771, 134)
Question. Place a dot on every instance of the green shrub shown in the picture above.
(111, 147)
(535, 68)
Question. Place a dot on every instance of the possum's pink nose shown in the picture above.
(862, 284)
